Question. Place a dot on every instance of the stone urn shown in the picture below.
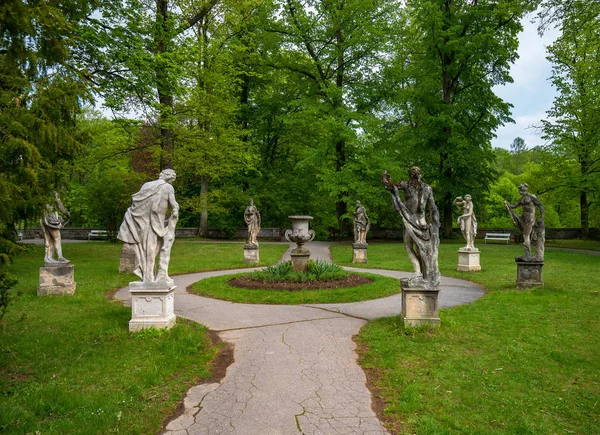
(300, 234)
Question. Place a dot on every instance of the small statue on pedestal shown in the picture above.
(362, 224)
(51, 224)
(467, 222)
(252, 219)
(529, 267)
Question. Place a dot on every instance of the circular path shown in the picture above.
(295, 368)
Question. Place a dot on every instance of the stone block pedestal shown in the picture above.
(300, 261)
(468, 260)
(419, 305)
(529, 274)
(151, 306)
(359, 253)
(57, 279)
(251, 255)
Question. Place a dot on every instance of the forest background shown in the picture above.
(299, 105)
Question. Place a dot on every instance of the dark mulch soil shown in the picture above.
(246, 281)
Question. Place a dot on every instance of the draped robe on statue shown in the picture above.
(144, 225)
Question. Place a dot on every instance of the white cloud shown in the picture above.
(531, 94)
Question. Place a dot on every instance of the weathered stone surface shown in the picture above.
(300, 261)
(300, 234)
(251, 254)
(534, 230)
(467, 222)
(468, 260)
(529, 273)
(362, 224)
(253, 220)
(359, 254)
(128, 260)
(151, 307)
(57, 280)
(419, 305)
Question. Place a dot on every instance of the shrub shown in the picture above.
(316, 270)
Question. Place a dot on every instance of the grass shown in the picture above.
(70, 365)
(591, 245)
(515, 361)
(218, 288)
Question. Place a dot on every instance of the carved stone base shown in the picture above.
(251, 254)
(300, 261)
(128, 259)
(529, 274)
(359, 254)
(468, 260)
(57, 280)
(419, 305)
(151, 307)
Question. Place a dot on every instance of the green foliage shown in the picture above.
(317, 270)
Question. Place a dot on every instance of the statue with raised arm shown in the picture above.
(149, 227)
(362, 224)
(252, 219)
(467, 222)
(421, 226)
(533, 229)
(51, 224)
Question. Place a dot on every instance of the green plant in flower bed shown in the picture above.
(317, 270)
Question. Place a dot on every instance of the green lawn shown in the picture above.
(515, 361)
(219, 289)
(68, 365)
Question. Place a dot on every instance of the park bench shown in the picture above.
(97, 234)
(497, 236)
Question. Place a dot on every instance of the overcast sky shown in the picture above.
(531, 94)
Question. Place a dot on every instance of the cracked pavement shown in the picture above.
(295, 368)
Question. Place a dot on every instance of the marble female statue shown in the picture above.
(421, 226)
(467, 222)
(362, 224)
(252, 219)
(150, 229)
(51, 224)
(533, 230)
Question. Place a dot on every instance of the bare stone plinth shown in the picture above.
(151, 307)
(468, 260)
(359, 253)
(128, 258)
(57, 280)
(300, 260)
(529, 273)
(419, 305)
(251, 254)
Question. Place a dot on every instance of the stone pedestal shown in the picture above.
(57, 279)
(419, 305)
(152, 306)
(529, 273)
(251, 254)
(128, 258)
(359, 253)
(300, 261)
(468, 260)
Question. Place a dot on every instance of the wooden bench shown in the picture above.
(497, 236)
(98, 234)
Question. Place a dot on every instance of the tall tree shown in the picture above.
(573, 126)
(455, 52)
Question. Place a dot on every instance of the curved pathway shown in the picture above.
(295, 369)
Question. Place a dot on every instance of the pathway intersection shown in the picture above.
(295, 368)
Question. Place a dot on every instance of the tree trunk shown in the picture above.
(341, 208)
(203, 228)
(163, 87)
(584, 215)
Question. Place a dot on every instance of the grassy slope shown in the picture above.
(69, 364)
(511, 362)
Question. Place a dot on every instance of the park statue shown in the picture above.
(252, 219)
(421, 226)
(533, 229)
(467, 222)
(52, 222)
(150, 229)
(362, 224)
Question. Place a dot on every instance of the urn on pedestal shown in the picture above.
(300, 234)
